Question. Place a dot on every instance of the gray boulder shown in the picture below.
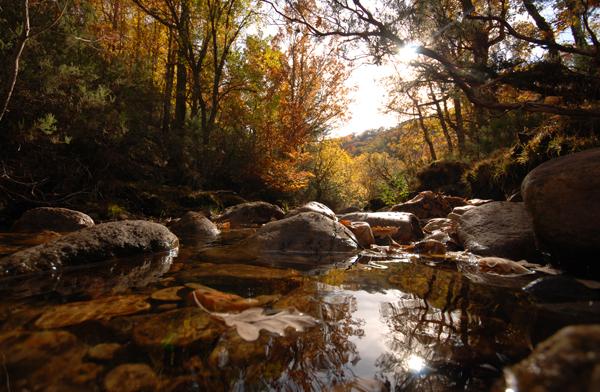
(252, 213)
(563, 198)
(194, 225)
(89, 245)
(567, 361)
(52, 219)
(308, 235)
(313, 206)
(502, 229)
(407, 224)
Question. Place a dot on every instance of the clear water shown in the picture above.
(408, 324)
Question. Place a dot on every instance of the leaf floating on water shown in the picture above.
(249, 322)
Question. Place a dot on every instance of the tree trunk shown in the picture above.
(180, 91)
(442, 120)
(13, 72)
(168, 93)
(460, 127)
(426, 135)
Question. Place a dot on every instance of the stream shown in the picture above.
(407, 323)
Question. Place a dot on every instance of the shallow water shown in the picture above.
(400, 324)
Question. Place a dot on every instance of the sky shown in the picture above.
(368, 99)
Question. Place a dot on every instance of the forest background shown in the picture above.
(142, 106)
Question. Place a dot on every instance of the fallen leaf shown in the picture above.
(249, 322)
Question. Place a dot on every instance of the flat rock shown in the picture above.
(104, 308)
(502, 229)
(407, 225)
(563, 198)
(427, 205)
(89, 245)
(567, 361)
(52, 219)
(179, 327)
(195, 225)
(313, 206)
(252, 213)
(131, 377)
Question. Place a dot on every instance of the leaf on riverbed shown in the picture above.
(249, 322)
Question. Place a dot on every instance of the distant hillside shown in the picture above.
(373, 140)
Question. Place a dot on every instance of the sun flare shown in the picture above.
(408, 52)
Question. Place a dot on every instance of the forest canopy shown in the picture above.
(242, 95)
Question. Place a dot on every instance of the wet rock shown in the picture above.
(407, 225)
(131, 377)
(430, 247)
(441, 224)
(218, 301)
(78, 312)
(31, 349)
(240, 271)
(252, 213)
(500, 229)
(168, 294)
(104, 351)
(567, 361)
(194, 225)
(500, 266)
(92, 244)
(180, 327)
(563, 198)
(428, 205)
(52, 219)
(14, 242)
(313, 206)
(308, 232)
(560, 289)
(306, 236)
(363, 233)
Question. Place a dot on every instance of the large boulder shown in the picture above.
(52, 219)
(194, 225)
(252, 213)
(407, 224)
(568, 361)
(500, 229)
(89, 245)
(308, 235)
(313, 206)
(563, 198)
(427, 205)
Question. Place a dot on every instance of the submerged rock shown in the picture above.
(195, 225)
(428, 205)
(93, 244)
(313, 206)
(500, 229)
(131, 377)
(567, 361)
(560, 289)
(252, 213)
(52, 219)
(563, 197)
(78, 312)
(179, 327)
(407, 225)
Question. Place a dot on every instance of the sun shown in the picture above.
(408, 52)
